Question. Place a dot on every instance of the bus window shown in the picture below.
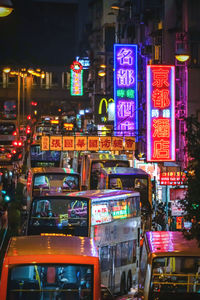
(53, 214)
(63, 280)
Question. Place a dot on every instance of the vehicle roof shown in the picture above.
(168, 242)
(102, 156)
(124, 171)
(100, 194)
(38, 170)
(51, 245)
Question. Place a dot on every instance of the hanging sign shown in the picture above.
(117, 143)
(160, 113)
(129, 143)
(105, 143)
(93, 143)
(68, 143)
(45, 143)
(90, 143)
(56, 143)
(76, 87)
(125, 89)
(81, 143)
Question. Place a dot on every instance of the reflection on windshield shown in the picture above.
(176, 275)
(51, 281)
(39, 155)
(98, 165)
(128, 182)
(58, 212)
(55, 183)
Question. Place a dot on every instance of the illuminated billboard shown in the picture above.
(160, 113)
(125, 89)
(76, 86)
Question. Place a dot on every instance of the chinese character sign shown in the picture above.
(125, 89)
(76, 88)
(160, 113)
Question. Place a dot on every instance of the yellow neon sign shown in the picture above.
(104, 100)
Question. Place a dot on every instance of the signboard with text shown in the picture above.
(90, 143)
(172, 178)
(76, 86)
(125, 89)
(160, 113)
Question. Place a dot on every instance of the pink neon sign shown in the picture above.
(125, 89)
(160, 113)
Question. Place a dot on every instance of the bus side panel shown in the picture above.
(97, 282)
(4, 280)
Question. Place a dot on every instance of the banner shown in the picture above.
(160, 113)
(87, 143)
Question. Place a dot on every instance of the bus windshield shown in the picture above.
(99, 164)
(51, 281)
(41, 158)
(180, 274)
(53, 214)
(52, 183)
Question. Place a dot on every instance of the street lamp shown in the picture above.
(6, 8)
(182, 55)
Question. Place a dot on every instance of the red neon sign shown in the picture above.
(160, 113)
(76, 67)
(172, 178)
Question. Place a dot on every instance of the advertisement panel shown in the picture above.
(160, 113)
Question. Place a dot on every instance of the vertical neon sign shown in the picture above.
(160, 113)
(76, 86)
(125, 89)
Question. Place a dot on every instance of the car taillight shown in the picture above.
(14, 151)
(17, 143)
(9, 155)
(14, 133)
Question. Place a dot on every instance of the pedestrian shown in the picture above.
(3, 216)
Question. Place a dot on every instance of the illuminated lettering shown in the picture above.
(166, 113)
(161, 149)
(155, 113)
(125, 89)
(160, 113)
(160, 77)
(121, 93)
(162, 128)
(125, 77)
(125, 109)
(130, 93)
(125, 56)
(161, 98)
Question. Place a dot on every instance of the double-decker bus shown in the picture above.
(51, 267)
(91, 163)
(111, 217)
(130, 179)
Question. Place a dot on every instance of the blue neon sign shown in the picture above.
(125, 89)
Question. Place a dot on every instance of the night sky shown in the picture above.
(39, 34)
